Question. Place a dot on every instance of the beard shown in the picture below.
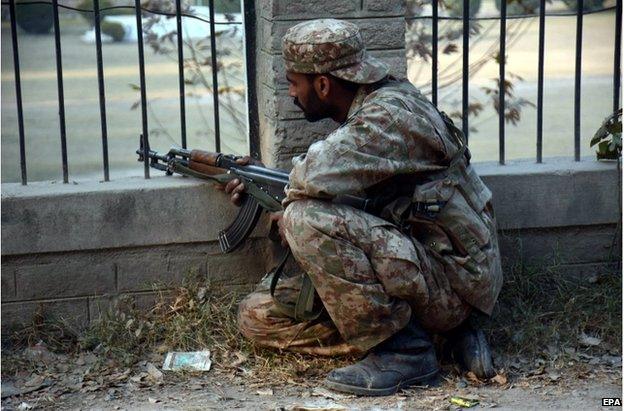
(315, 109)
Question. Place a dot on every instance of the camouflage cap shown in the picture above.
(331, 46)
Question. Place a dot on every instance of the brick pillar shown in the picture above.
(284, 132)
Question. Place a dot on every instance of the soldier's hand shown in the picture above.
(277, 219)
(236, 187)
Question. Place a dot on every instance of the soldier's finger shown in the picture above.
(231, 185)
(239, 188)
(243, 161)
(236, 199)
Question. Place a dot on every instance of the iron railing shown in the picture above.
(503, 17)
(248, 22)
(249, 25)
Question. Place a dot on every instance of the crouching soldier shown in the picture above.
(419, 261)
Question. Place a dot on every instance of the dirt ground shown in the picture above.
(86, 382)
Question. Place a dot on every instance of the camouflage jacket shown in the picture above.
(394, 136)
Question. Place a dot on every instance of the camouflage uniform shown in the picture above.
(371, 274)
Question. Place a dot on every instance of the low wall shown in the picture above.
(68, 249)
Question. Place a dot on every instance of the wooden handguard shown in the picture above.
(205, 157)
(204, 168)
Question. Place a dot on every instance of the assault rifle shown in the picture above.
(264, 187)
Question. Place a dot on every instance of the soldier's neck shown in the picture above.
(342, 103)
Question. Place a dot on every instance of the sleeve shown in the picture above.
(366, 150)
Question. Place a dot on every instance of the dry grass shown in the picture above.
(536, 309)
(539, 308)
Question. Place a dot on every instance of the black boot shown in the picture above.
(469, 348)
(407, 358)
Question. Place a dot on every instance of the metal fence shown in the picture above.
(249, 26)
(466, 19)
(248, 22)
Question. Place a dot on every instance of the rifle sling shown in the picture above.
(303, 309)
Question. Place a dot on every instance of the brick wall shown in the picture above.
(283, 130)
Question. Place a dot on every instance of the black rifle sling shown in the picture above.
(303, 309)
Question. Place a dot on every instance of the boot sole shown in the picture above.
(432, 379)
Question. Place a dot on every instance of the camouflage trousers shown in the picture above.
(370, 277)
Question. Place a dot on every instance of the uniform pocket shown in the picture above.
(466, 230)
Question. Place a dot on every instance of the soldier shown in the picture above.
(419, 262)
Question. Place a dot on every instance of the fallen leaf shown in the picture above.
(240, 359)
(265, 392)
(322, 392)
(588, 340)
(499, 379)
(473, 378)
(463, 402)
(154, 373)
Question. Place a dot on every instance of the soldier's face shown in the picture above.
(305, 96)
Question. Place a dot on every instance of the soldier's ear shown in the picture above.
(322, 86)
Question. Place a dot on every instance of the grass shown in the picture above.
(537, 308)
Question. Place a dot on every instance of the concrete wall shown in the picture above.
(67, 249)
(283, 130)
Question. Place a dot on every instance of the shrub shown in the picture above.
(113, 29)
(34, 18)
(89, 16)
(456, 7)
(520, 7)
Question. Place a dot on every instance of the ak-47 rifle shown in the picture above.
(264, 187)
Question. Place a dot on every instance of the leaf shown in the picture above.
(588, 340)
(134, 87)
(499, 379)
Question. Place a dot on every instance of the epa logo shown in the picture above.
(610, 402)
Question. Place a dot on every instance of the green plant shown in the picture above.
(519, 7)
(89, 16)
(609, 138)
(34, 18)
(113, 29)
(456, 7)
(588, 5)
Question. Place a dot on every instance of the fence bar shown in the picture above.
(18, 92)
(434, 52)
(577, 81)
(181, 72)
(540, 80)
(100, 72)
(215, 83)
(501, 82)
(617, 57)
(465, 69)
(249, 16)
(61, 96)
(144, 135)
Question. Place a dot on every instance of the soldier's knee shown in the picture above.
(247, 318)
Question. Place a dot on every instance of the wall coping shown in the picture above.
(54, 217)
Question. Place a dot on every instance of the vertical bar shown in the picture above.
(577, 81)
(18, 92)
(617, 57)
(434, 52)
(215, 83)
(61, 96)
(249, 16)
(465, 69)
(139, 23)
(540, 80)
(181, 72)
(501, 82)
(100, 73)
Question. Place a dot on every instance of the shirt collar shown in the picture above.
(358, 100)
